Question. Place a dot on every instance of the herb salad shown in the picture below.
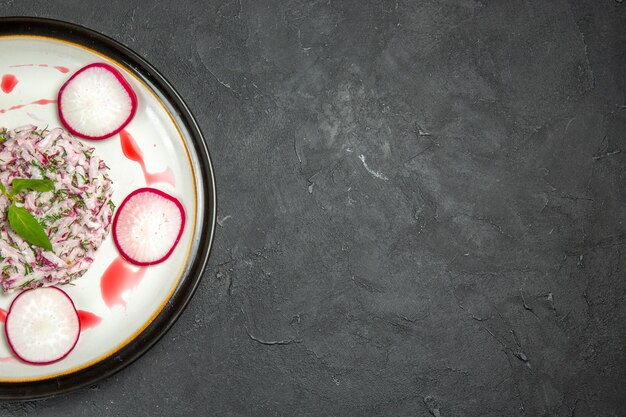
(55, 207)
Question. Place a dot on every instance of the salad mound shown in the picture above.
(76, 215)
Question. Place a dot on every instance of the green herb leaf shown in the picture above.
(28, 227)
(20, 184)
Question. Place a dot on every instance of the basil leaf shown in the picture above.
(20, 184)
(28, 227)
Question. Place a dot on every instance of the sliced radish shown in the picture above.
(96, 102)
(42, 325)
(147, 226)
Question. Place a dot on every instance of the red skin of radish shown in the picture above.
(6, 332)
(180, 232)
(122, 81)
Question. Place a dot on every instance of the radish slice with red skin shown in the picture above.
(147, 226)
(96, 102)
(42, 325)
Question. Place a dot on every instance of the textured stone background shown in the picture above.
(421, 208)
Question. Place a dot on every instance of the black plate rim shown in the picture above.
(37, 26)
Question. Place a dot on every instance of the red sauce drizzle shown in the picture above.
(88, 320)
(3, 316)
(9, 81)
(59, 68)
(133, 152)
(43, 101)
(119, 277)
(40, 102)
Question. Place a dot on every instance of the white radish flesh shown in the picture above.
(42, 325)
(147, 226)
(96, 102)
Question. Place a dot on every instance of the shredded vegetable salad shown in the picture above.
(76, 215)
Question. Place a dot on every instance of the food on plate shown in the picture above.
(96, 102)
(75, 215)
(148, 225)
(42, 325)
(56, 210)
(20, 219)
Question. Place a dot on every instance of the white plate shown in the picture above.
(171, 143)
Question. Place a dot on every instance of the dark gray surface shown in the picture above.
(421, 208)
